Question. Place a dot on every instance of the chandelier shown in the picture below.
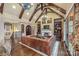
(43, 7)
(45, 16)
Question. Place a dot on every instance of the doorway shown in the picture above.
(28, 30)
(58, 28)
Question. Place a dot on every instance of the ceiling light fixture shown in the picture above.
(27, 13)
(28, 6)
(32, 4)
(35, 17)
(14, 7)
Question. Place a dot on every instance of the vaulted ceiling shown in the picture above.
(35, 11)
(65, 6)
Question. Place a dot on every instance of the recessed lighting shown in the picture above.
(31, 3)
(14, 7)
(45, 15)
(29, 6)
(27, 13)
(35, 17)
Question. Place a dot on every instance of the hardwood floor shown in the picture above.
(20, 50)
(62, 50)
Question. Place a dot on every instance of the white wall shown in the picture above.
(1, 30)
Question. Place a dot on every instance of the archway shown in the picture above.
(28, 30)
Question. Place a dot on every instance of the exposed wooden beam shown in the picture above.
(21, 13)
(39, 16)
(1, 8)
(57, 7)
(51, 11)
(37, 9)
(41, 6)
(55, 12)
(34, 12)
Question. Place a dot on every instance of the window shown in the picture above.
(46, 27)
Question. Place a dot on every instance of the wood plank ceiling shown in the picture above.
(21, 13)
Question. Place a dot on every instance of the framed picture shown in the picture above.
(50, 20)
(44, 20)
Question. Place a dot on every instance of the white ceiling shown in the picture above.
(8, 8)
(30, 11)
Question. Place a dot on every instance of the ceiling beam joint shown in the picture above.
(1, 8)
